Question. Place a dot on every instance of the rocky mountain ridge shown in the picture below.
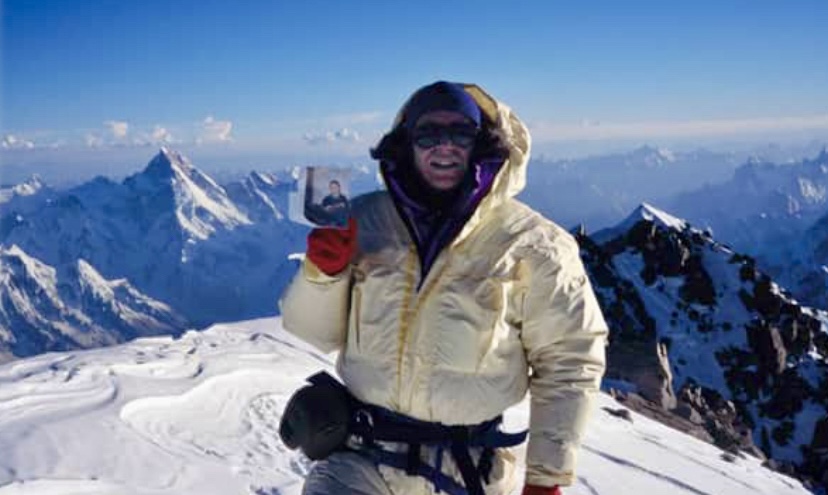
(698, 330)
(43, 309)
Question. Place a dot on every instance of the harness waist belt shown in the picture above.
(373, 424)
(370, 424)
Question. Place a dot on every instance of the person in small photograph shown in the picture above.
(336, 204)
(332, 210)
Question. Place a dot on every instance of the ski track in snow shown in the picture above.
(717, 470)
(199, 415)
(625, 463)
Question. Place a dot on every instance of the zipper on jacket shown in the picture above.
(405, 324)
(424, 289)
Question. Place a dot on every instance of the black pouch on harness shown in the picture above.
(316, 417)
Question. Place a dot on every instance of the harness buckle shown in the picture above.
(364, 427)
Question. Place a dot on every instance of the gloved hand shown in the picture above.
(541, 490)
(331, 249)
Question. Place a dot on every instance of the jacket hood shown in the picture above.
(505, 124)
(510, 178)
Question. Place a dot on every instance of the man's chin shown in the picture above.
(444, 184)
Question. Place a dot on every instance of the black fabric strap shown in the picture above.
(413, 459)
(471, 477)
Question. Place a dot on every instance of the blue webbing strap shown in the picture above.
(373, 423)
(399, 460)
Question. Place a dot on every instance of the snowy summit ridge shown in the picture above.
(199, 415)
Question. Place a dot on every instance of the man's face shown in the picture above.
(333, 187)
(444, 164)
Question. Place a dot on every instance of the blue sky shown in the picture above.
(312, 78)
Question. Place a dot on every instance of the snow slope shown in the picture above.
(199, 414)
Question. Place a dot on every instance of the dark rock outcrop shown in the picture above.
(687, 313)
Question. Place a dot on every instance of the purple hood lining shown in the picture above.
(430, 241)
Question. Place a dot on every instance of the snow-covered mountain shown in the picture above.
(773, 213)
(25, 196)
(44, 310)
(198, 415)
(30, 187)
(599, 191)
(263, 196)
(761, 201)
(694, 321)
(171, 191)
(174, 233)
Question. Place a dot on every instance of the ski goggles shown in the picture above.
(430, 135)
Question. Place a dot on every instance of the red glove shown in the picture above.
(540, 490)
(331, 249)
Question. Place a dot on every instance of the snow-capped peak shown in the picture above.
(644, 212)
(167, 164)
(25, 267)
(30, 187)
(201, 206)
(89, 277)
(649, 212)
(652, 157)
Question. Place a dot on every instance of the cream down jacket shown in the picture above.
(505, 309)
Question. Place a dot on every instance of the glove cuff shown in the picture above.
(541, 490)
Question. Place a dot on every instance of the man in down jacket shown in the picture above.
(448, 300)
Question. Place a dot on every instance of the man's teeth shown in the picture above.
(444, 164)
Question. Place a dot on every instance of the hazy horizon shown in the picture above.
(60, 167)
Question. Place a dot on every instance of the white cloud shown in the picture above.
(12, 142)
(343, 135)
(595, 130)
(118, 128)
(215, 131)
(93, 141)
(161, 135)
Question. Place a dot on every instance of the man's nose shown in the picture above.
(445, 140)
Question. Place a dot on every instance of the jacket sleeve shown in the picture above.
(564, 336)
(315, 307)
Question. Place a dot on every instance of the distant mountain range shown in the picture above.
(600, 191)
(778, 214)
